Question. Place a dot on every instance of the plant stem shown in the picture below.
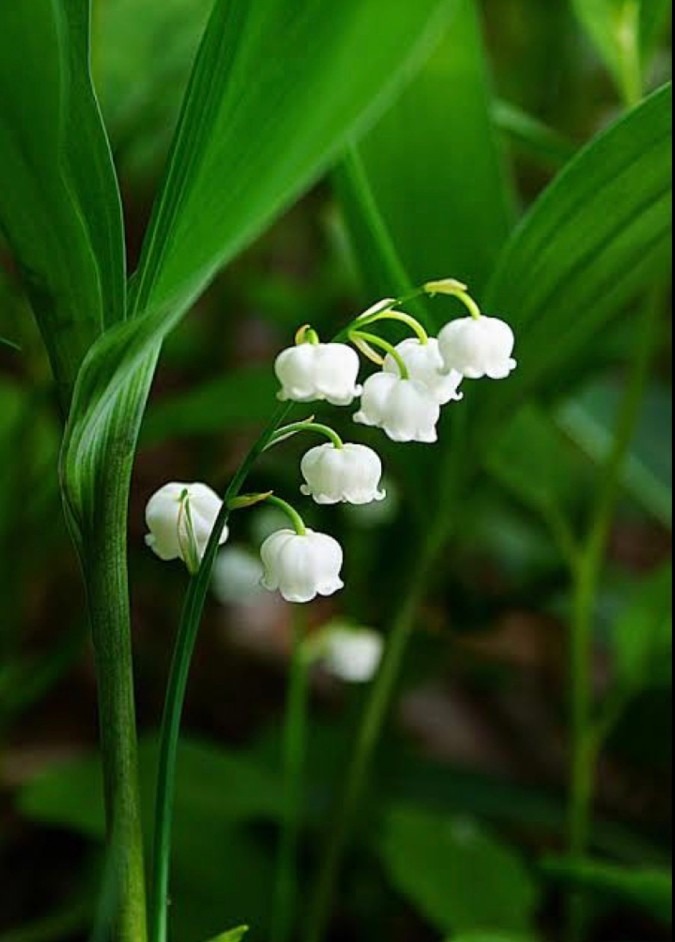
(175, 695)
(295, 740)
(400, 317)
(388, 348)
(297, 427)
(291, 513)
(587, 574)
(104, 560)
(368, 735)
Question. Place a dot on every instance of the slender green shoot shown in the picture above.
(295, 743)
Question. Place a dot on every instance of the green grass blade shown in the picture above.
(61, 214)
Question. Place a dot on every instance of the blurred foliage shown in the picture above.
(467, 802)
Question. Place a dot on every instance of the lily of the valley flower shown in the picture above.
(350, 474)
(180, 518)
(404, 408)
(351, 654)
(477, 347)
(302, 566)
(425, 363)
(312, 372)
(236, 577)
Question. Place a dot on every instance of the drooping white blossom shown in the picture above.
(477, 347)
(351, 654)
(302, 566)
(236, 576)
(311, 372)
(425, 364)
(348, 475)
(404, 408)
(168, 516)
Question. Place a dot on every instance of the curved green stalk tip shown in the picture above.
(235, 935)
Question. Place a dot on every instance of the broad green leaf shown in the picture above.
(590, 420)
(443, 865)
(221, 872)
(642, 637)
(258, 70)
(532, 458)
(61, 212)
(624, 32)
(141, 90)
(236, 935)
(649, 890)
(241, 398)
(428, 195)
(596, 238)
(249, 141)
(223, 785)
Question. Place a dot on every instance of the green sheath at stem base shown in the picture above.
(104, 562)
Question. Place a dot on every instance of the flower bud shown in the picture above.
(318, 371)
(347, 475)
(169, 514)
(404, 408)
(302, 566)
(477, 347)
(425, 363)
(351, 654)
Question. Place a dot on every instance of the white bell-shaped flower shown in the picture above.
(318, 371)
(348, 475)
(302, 566)
(351, 654)
(236, 577)
(477, 347)
(405, 408)
(425, 364)
(180, 518)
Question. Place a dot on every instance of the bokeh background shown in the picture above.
(467, 806)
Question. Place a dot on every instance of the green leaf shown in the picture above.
(590, 420)
(240, 398)
(655, 16)
(624, 33)
(141, 91)
(649, 890)
(236, 935)
(443, 866)
(223, 785)
(218, 794)
(490, 937)
(249, 141)
(532, 458)
(9, 343)
(61, 214)
(596, 238)
(643, 636)
(413, 210)
(531, 136)
(257, 70)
